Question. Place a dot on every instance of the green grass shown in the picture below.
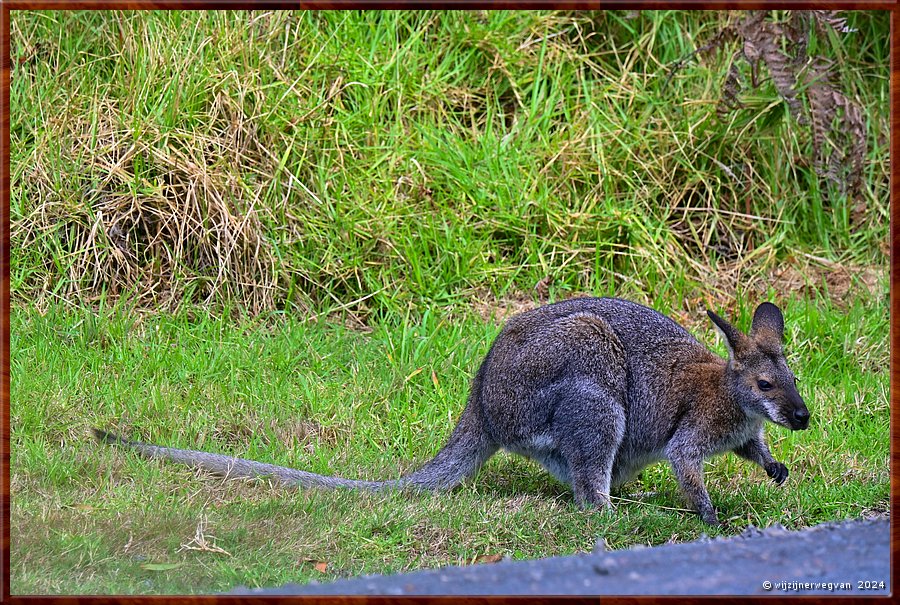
(324, 398)
(281, 235)
(373, 160)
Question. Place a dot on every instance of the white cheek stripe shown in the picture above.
(773, 412)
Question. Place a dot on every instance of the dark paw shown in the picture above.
(777, 471)
(710, 518)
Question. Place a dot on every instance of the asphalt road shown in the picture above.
(851, 558)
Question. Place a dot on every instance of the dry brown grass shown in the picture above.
(190, 234)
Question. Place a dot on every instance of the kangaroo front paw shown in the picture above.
(777, 471)
(710, 518)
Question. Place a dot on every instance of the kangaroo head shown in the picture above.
(757, 372)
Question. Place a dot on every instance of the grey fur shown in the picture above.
(595, 389)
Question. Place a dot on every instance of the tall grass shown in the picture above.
(370, 161)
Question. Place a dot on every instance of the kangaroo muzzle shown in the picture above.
(799, 418)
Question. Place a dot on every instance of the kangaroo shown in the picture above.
(594, 389)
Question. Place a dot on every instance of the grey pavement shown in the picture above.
(850, 558)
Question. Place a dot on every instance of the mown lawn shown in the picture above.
(322, 397)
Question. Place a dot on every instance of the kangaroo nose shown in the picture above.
(801, 417)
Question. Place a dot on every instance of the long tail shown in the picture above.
(466, 450)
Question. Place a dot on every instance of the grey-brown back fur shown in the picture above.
(595, 389)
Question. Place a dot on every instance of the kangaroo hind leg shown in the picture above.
(589, 425)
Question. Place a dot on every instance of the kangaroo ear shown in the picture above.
(768, 317)
(733, 337)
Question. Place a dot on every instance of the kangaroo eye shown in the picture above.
(764, 386)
